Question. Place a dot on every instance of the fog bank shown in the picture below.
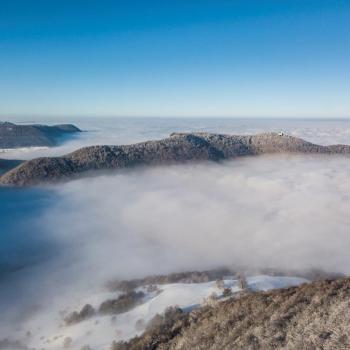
(266, 211)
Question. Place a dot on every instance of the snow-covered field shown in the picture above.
(98, 332)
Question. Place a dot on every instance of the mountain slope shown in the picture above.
(179, 147)
(311, 316)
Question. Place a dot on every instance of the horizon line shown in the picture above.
(5, 117)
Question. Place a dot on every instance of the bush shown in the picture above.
(86, 312)
(140, 324)
(227, 292)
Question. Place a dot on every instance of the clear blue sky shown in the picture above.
(175, 58)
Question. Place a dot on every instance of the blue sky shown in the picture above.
(277, 58)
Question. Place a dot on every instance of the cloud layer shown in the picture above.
(279, 212)
(261, 212)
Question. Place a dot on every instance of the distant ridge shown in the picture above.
(33, 135)
(178, 148)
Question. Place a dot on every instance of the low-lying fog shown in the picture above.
(287, 212)
(61, 243)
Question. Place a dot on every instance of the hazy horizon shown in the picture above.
(22, 118)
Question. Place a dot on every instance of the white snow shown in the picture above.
(99, 331)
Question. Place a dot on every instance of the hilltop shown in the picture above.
(178, 148)
(33, 135)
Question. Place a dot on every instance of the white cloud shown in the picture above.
(264, 211)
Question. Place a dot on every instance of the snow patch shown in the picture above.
(99, 331)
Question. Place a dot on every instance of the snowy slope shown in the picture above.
(99, 331)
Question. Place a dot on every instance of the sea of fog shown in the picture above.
(287, 212)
